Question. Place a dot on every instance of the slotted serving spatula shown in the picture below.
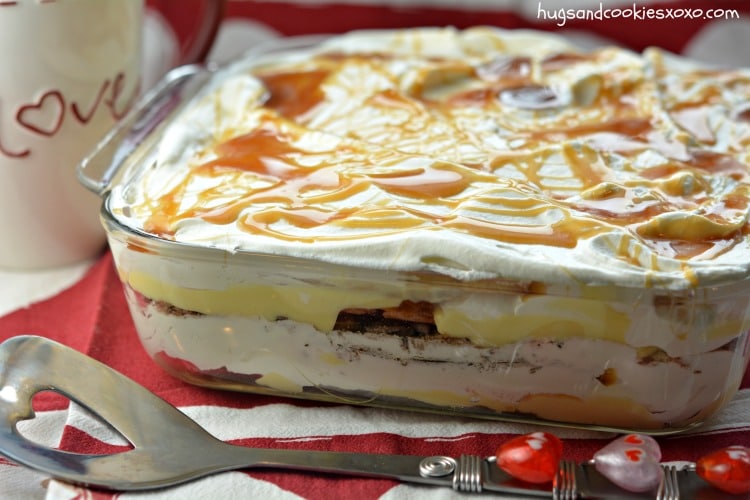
(169, 448)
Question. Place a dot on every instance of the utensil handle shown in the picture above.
(99, 169)
(407, 468)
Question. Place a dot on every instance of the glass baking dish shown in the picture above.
(648, 359)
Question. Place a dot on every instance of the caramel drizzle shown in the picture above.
(289, 197)
(301, 196)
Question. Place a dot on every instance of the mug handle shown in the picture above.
(195, 24)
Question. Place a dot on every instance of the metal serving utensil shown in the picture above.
(169, 448)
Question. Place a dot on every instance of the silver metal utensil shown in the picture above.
(169, 448)
(669, 489)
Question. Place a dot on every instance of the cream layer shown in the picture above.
(584, 380)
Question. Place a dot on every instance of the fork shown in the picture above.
(564, 485)
(669, 489)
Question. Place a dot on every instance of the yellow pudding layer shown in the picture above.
(485, 319)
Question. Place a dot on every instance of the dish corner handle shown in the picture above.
(97, 170)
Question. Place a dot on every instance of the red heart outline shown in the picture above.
(26, 120)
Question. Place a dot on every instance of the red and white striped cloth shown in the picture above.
(84, 306)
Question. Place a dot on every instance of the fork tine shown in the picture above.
(564, 485)
(675, 483)
(558, 481)
(573, 491)
(669, 489)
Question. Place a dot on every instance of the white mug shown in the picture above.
(70, 70)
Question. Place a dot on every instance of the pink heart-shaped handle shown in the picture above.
(631, 462)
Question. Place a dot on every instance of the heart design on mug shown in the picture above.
(45, 117)
(631, 462)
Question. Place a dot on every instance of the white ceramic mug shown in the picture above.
(69, 69)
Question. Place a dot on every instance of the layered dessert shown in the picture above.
(484, 222)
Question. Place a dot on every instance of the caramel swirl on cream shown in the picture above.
(478, 154)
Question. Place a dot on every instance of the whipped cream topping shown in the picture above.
(477, 154)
